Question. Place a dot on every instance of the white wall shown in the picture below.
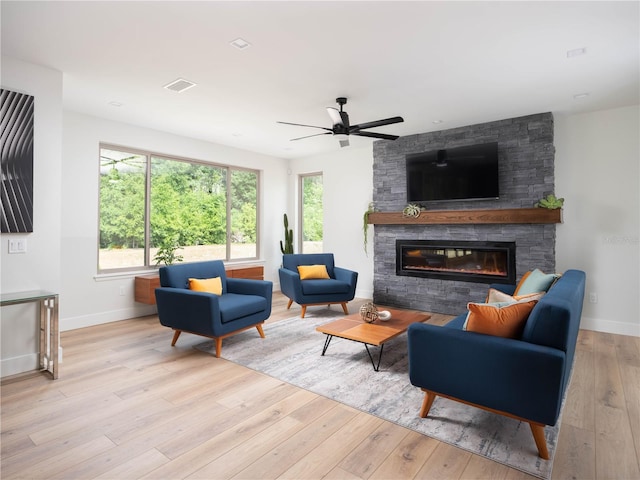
(348, 188)
(88, 299)
(38, 268)
(597, 171)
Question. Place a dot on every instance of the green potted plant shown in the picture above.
(287, 247)
(365, 225)
(550, 202)
(166, 254)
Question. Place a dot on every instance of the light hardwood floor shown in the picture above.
(127, 405)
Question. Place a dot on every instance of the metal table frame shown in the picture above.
(49, 324)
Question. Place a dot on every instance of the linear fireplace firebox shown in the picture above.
(467, 261)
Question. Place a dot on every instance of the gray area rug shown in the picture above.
(291, 352)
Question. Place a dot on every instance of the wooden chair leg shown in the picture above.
(218, 347)
(429, 397)
(260, 330)
(304, 310)
(538, 435)
(344, 308)
(289, 304)
(176, 334)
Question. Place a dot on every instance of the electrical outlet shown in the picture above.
(122, 290)
(593, 297)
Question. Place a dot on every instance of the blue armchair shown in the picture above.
(340, 287)
(523, 378)
(243, 304)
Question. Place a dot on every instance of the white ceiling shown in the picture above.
(458, 62)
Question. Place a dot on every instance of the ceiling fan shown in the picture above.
(342, 128)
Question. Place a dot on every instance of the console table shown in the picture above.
(49, 327)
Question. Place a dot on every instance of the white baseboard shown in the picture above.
(609, 326)
(20, 364)
(82, 321)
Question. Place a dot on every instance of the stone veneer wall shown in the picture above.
(526, 173)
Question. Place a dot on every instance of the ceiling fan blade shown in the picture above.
(314, 135)
(344, 143)
(377, 123)
(383, 136)
(303, 125)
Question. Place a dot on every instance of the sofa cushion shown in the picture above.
(324, 287)
(234, 306)
(535, 281)
(496, 296)
(209, 285)
(308, 272)
(500, 320)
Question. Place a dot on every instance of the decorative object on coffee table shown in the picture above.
(369, 312)
(384, 315)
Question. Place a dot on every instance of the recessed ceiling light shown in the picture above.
(580, 96)
(240, 43)
(437, 122)
(576, 52)
(115, 104)
(179, 85)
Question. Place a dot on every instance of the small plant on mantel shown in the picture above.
(412, 210)
(365, 225)
(550, 202)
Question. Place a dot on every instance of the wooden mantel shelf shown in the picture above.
(469, 217)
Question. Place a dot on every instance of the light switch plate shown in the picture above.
(17, 245)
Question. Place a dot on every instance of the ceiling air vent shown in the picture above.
(179, 85)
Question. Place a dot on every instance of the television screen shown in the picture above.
(461, 173)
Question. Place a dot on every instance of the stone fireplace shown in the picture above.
(526, 174)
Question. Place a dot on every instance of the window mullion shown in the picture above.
(147, 214)
(228, 222)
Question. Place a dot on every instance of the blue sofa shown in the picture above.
(243, 304)
(340, 287)
(522, 378)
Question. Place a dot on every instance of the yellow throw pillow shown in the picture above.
(209, 285)
(506, 321)
(307, 272)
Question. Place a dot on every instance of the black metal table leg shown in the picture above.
(375, 367)
(327, 341)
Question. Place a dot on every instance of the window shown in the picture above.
(152, 204)
(311, 213)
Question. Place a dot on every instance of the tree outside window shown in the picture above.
(205, 211)
(311, 213)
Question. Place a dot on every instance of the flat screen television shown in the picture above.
(460, 173)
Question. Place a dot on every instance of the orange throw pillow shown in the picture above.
(209, 285)
(307, 272)
(506, 321)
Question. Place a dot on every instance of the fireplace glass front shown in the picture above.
(468, 261)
